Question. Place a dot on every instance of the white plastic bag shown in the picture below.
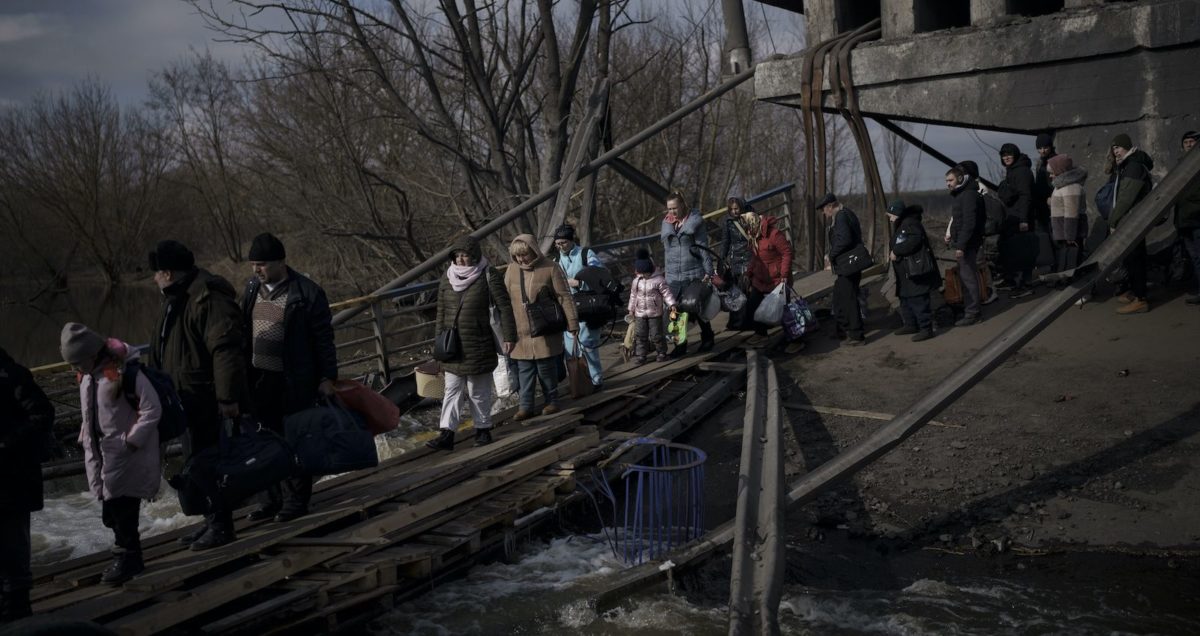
(500, 378)
(770, 311)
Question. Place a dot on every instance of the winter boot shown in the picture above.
(194, 535)
(483, 436)
(126, 564)
(217, 536)
(444, 441)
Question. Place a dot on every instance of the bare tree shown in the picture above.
(201, 101)
(895, 152)
(95, 169)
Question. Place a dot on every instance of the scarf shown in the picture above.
(461, 276)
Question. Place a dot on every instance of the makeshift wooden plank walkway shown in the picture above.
(383, 534)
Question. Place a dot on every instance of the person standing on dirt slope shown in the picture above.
(910, 245)
(1068, 211)
(291, 361)
(967, 219)
(199, 344)
(843, 236)
(1042, 187)
(683, 229)
(1133, 182)
(26, 423)
(119, 436)
(1187, 218)
(1016, 192)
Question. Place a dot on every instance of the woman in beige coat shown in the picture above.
(537, 356)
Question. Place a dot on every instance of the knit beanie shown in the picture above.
(1191, 134)
(896, 207)
(1122, 141)
(1044, 140)
(265, 247)
(1060, 164)
(565, 231)
(171, 256)
(969, 168)
(1009, 150)
(642, 264)
(79, 344)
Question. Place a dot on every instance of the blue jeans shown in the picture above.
(589, 342)
(543, 371)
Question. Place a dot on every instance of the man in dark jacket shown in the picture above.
(199, 344)
(1187, 218)
(843, 236)
(910, 248)
(1018, 244)
(26, 418)
(967, 219)
(291, 360)
(1133, 183)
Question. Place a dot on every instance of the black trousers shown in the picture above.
(845, 305)
(15, 552)
(120, 514)
(268, 404)
(1135, 264)
(204, 431)
(915, 311)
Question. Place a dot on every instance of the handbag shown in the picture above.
(853, 261)
(545, 315)
(329, 440)
(920, 264)
(447, 344)
(579, 377)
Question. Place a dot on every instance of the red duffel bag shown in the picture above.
(379, 412)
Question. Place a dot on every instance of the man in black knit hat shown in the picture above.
(199, 344)
(290, 355)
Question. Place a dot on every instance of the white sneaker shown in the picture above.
(992, 298)
(1082, 301)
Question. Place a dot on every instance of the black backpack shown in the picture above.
(173, 422)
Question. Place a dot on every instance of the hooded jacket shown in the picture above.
(112, 428)
(968, 216)
(199, 344)
(1069, 204)
(1133, 184)
(309, 355)
(26, 419)
(649, 296)
(542, 278)
(1019, 178)
(475, 320)
(682, 262)
(771, 256)
(909, 238)
(736, 249)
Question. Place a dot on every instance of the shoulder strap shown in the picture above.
(462, 297)
(521, 276)
(129, 383)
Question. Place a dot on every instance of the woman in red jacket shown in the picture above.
(770, 261)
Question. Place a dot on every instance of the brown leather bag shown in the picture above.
(579, 378)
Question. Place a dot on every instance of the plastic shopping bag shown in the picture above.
(770, 311)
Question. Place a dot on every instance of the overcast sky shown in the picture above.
(48, 45)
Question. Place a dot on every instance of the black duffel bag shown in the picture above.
(329, 440)
(593, 309)
(693, 297)
(244, 462)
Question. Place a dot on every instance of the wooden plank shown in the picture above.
(285, 600)
(869, 415)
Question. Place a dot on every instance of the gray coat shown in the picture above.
(682, 262)
(112, 428)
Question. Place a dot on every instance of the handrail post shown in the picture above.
(381, 344)
(793, 227)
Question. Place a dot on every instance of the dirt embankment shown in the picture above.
(1086, 437)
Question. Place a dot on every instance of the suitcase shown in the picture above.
(952, 290)
(329, 440)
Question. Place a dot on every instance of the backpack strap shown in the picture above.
(129, 383)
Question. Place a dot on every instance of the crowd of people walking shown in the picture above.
(272, 354)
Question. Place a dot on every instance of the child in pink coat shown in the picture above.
(649, 298)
